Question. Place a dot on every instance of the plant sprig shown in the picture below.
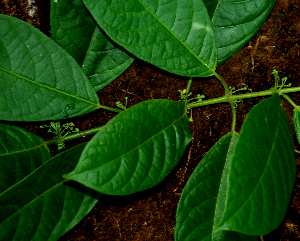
(61, 131)
(120, 105)
(277, 80)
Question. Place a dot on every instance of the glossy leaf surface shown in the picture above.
(202, 201)
(136, 149)
(43, 206)
(176, 36)
(73, 29)
(236, 22)
(262, 172)
(21, 152)
(296, 121)
(38, 79)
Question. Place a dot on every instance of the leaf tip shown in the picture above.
(67, 176)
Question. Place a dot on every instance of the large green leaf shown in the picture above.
(73, 28)
(38, 79)
(174, 35)
(136, 149)
(296, 121)
(262, 172)
(21, 152)
(235, 22)
(43, 206)
(202, 201)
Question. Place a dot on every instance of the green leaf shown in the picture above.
(136, 149)
(262, 172)
(38, 79)
(21, 152)
(43, 206)
(236, 22)
(202, 201)
(296, 120)
(73, 28)
(176, 36)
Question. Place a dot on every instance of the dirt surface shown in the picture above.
(150, 215)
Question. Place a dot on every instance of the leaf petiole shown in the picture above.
(290, 100)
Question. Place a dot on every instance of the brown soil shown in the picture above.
(150, 215)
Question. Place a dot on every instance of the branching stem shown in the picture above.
(233, 98)
(228, 97)
(74, 136)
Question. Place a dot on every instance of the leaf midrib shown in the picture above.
(24, 150)
(176, 37)
(138, 146)
(38, 195)
(233, 141)
(48, 87)
(33, 200)
(266, 167)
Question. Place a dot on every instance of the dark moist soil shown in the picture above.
(150, 215)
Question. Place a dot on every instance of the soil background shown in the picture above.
(150, 215)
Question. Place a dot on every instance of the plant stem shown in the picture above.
(230, 99)
(233, 109)
(233, 98)
(289, 90)
(290, 100)
(188, 86)
(74, 136)
(223, 82)
(110, 108)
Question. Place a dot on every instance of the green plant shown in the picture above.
(61, 131)
(240, 189)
